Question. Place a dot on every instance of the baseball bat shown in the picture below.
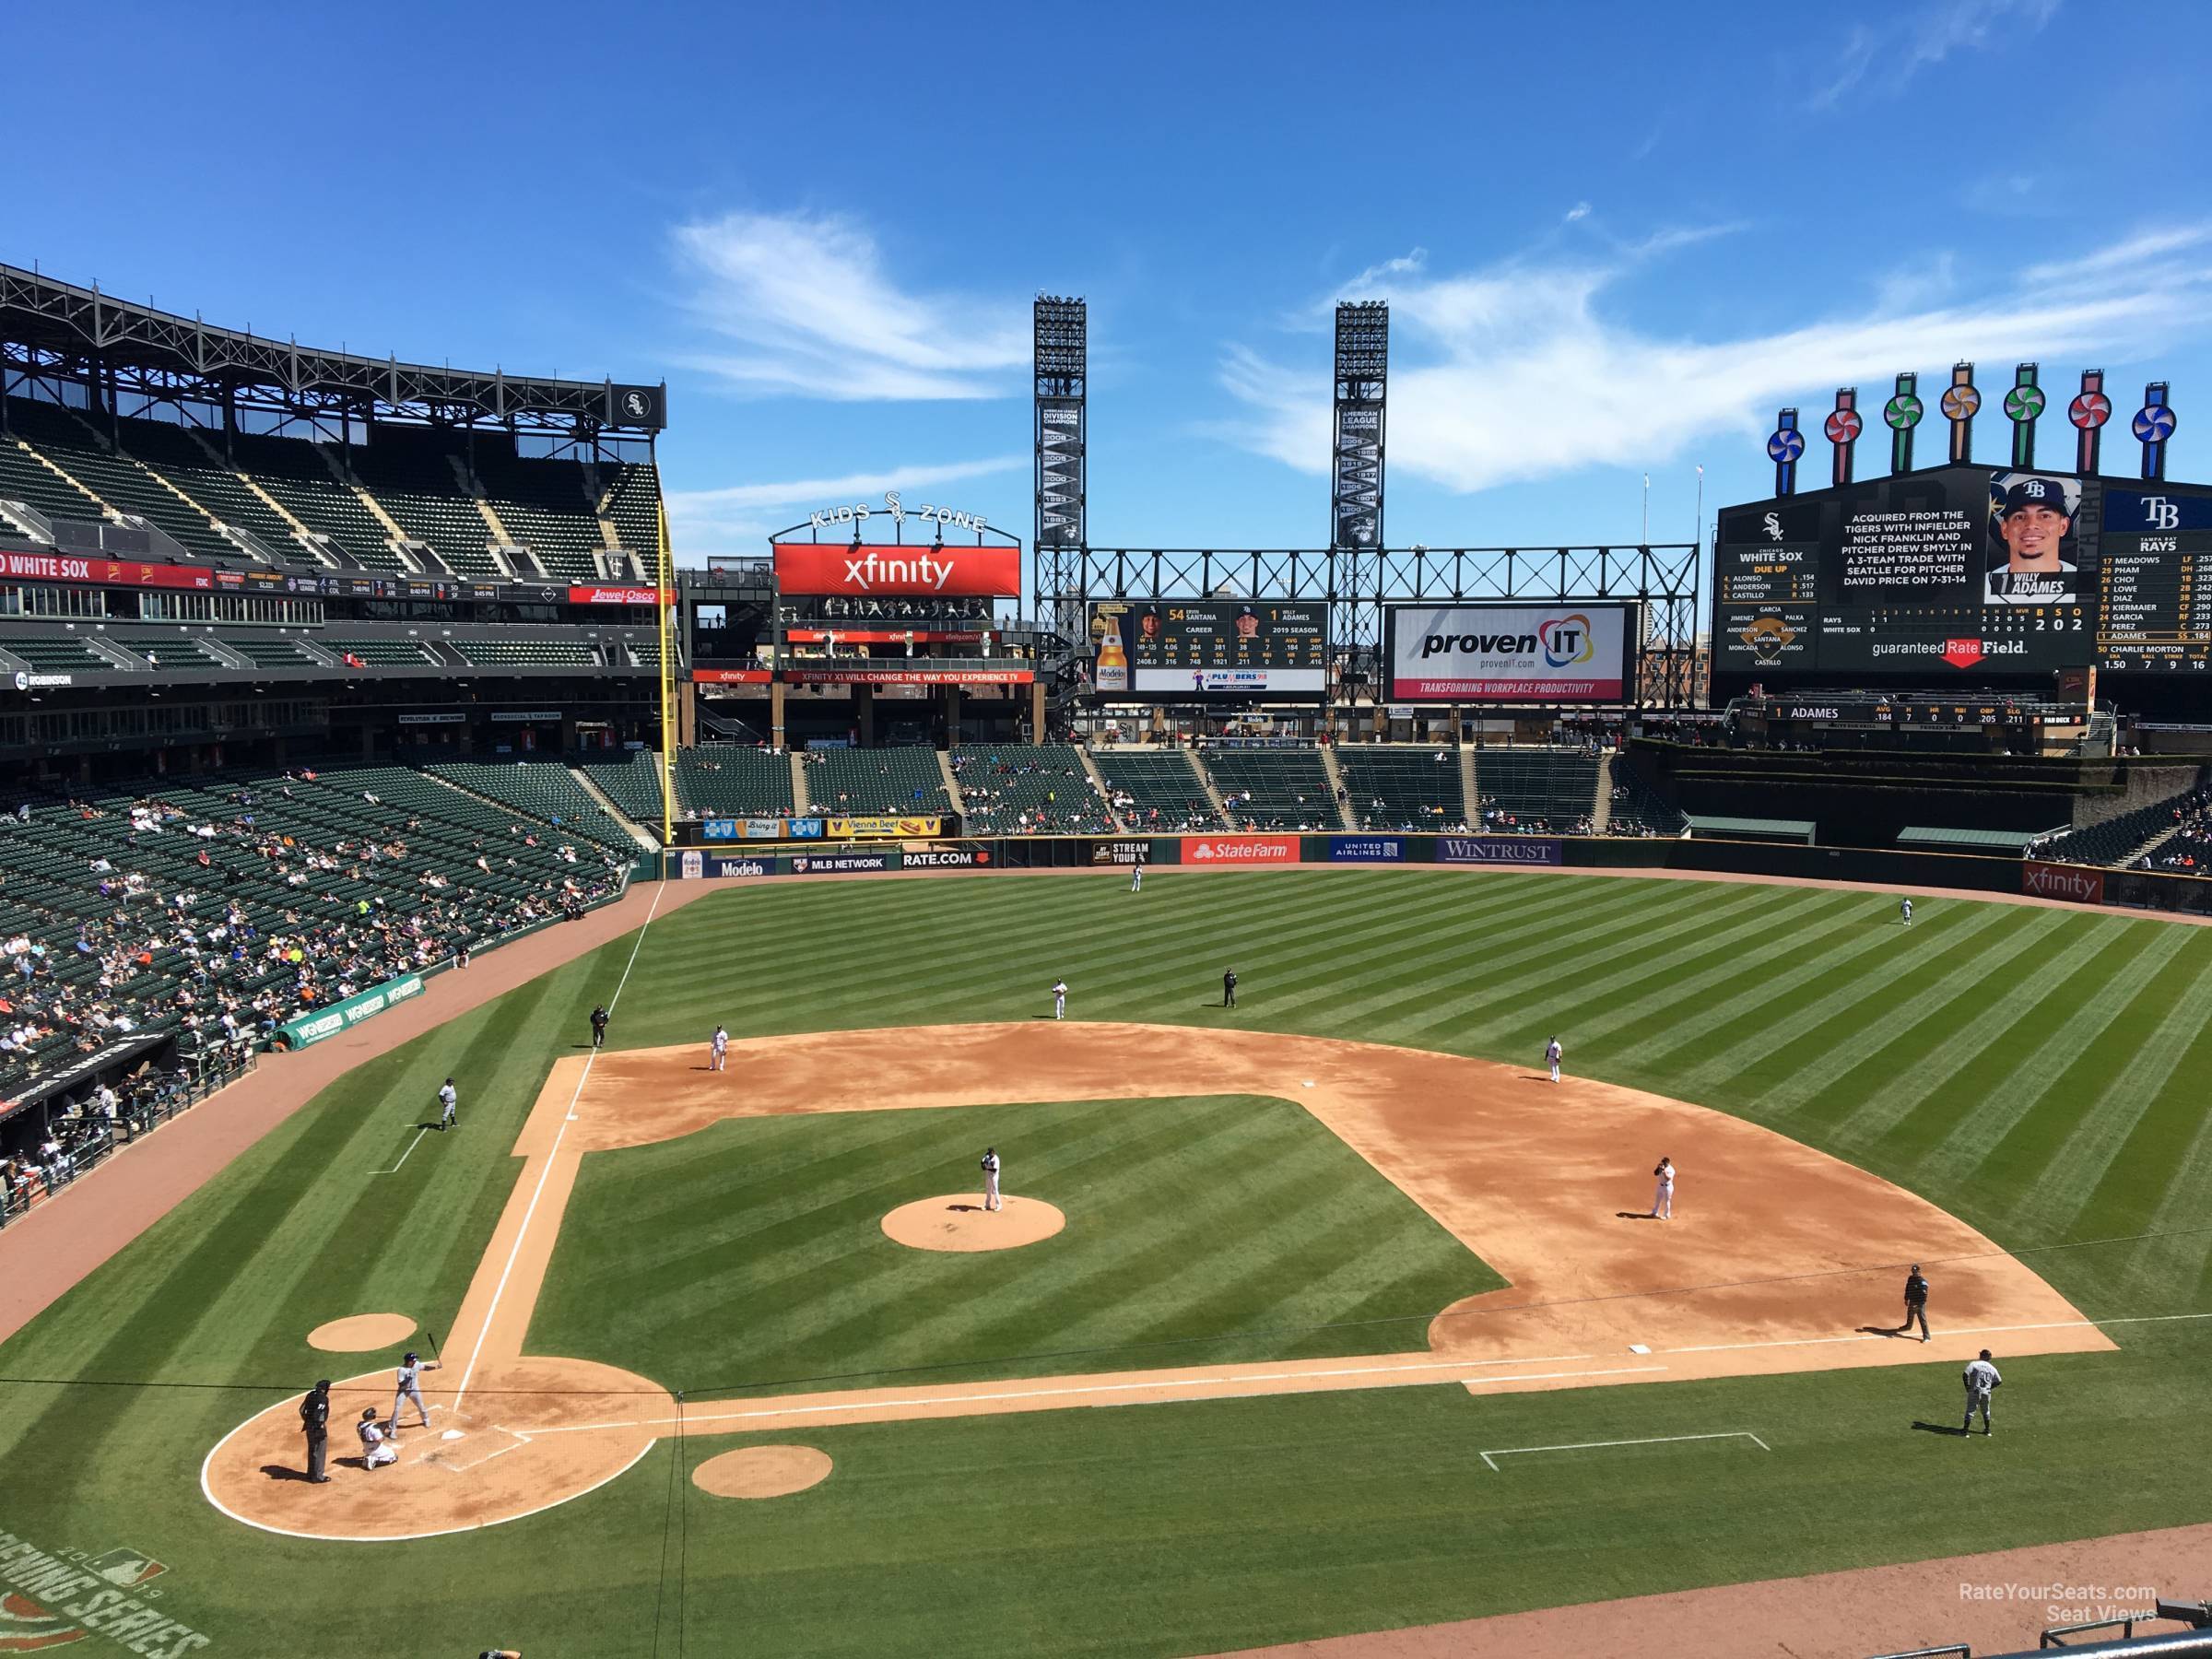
(431, 1338)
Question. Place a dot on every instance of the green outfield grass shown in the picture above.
(2037, 1072)
(1203, 1232)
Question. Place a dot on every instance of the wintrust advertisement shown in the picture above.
(1238, 850)
(1498, 850)
(1572, 651)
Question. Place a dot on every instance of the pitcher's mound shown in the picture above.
(960, 1221)
(762, 1472)
(362, 1333)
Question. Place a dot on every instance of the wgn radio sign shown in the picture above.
(1367, 849)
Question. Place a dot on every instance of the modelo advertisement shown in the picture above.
(698, 865)
(1368, 848)
(1209, 647)
(1572, 651)
(838, 860)
(1240, 850)
(1498, 850)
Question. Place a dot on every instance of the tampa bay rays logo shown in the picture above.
(1566, 641)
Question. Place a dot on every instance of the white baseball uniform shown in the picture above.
(1981, 1378)
(410, 1388)
(720, 1046)
(1663, 1200)
(376, 1446)
(1137, 880)
(1905, 908)
(1059, 999)
(991, 1198)
(1553, 1055)
(448, 1107)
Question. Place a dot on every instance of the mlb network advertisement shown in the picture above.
(1570, 652)
(1973, 571)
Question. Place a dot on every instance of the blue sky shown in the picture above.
(1615, 239)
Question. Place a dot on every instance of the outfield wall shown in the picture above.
(2129, 889)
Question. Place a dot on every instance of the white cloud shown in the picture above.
(1516, 372)
(1581, 210)
(1921, 37)
(806, 303)
(739, 518)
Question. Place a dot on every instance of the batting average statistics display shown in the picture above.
(1210, 648)
(1570, 651)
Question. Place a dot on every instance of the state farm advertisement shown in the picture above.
(1240, 849)
(1474, 653)
(812, 568)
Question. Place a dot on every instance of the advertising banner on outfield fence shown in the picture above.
(885, 824)
(1368, 848)
(2061, 881)
(1572, 651)
(974, 857)
(326, 1023)
(762, 865)
(611, 595)
(1498, 850)
(804, 828)
(751, 828)
(1129, 852)
(1240, 850)
(834, 859)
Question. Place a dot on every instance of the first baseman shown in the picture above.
(449, 1107)
(1553, 1055)
(1981, 1378)
(992, 1201)
(1663, 1200)
(718, 1049)
(410, 1387)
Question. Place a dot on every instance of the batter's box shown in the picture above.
(476, 1446)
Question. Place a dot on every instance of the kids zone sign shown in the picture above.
(1575, 651)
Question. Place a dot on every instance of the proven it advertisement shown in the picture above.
(1572, 651)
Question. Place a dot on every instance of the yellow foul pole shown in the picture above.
(664, 603)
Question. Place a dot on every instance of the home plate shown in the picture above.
(451, 1434)
(483, 1446)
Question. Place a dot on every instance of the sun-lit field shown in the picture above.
(2035, 1072)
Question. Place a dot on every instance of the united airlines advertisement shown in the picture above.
(1570, 652)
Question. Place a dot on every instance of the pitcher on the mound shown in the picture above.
(718, 1049)
(992, 1201)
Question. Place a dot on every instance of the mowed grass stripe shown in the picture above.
(2108, 1109)
(1715, 944)
(2077, 1023)
(1940, 994)
(1707, 978)
(1766, 1040)
(1882, 1116)
(1542, 947)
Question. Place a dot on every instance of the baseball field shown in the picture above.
(1323, 1314)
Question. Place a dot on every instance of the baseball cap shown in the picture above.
(2035, 492)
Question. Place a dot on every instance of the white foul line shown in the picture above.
(1656, 1440)
(420, 1131)
(546, 1167)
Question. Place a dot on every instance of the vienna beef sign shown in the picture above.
(857, 570)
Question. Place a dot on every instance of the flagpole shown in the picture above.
(1647, 509)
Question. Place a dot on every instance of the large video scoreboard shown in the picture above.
(1988, 575)
(1178, 649)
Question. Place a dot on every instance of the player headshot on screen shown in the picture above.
(1148, 627)
(1247, 624)
(2032, 530)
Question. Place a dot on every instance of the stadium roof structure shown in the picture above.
(57, 329)
(1752, 828)
(1939, 838)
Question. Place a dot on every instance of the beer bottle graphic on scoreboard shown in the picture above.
(1113, 673)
